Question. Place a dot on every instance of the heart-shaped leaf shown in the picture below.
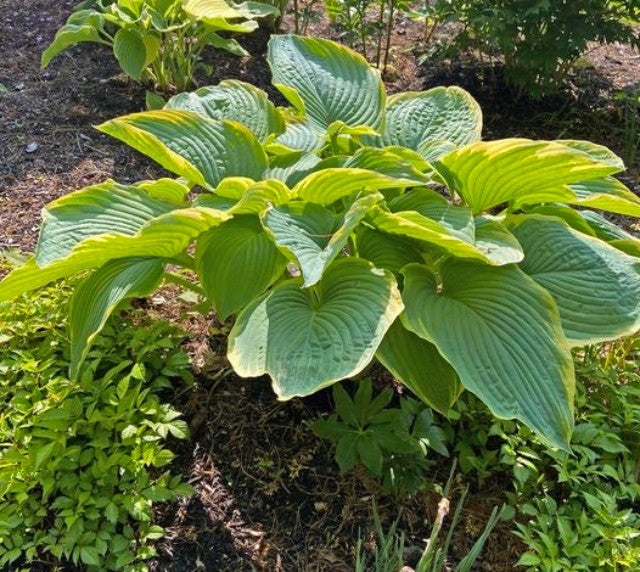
(596, 287)
(307, 339)
(502, 334)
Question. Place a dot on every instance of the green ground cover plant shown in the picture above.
(352, 227)
(82, 462)
(160, 42)
(578, 510)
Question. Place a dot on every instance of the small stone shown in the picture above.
(20, 86)
(31, 147)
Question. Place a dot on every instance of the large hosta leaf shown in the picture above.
(236, 101)
(495, 248)
(97, 296)
(517, 171)
(236, 262)
(200, 149)
(312, 235)
(597, 152)
(502, 334)
(327, 81)
(418, 364)
(607, 194)
(100, 209)
(441, 113)
(220, 9)
(596, 287)
(307, 339)
(390, 252)
(165, 236)
(328, 185)
(300, 135)
(395, 162)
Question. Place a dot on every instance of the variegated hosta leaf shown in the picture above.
(611, 234)
(300, 135)
(501, 332)
(327, 82)
(597, 152)
(329, 185)
(517, 171)
(200, 149)
(100, 209)
(424, 215)
(385, 251)
(418, 365)
(236, 101)
(164, 189)
(394, 162)
(312, 235)
(220, 9)
(292, 168)
(607, 194)
(436, 149)
(416, 118)
(596, 287)
(165, 236)
(99, 294)
(236, 262)
(309, 338)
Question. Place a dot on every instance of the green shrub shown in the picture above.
(81, 461)
(159, 41)
(351, 228)
(540, 41)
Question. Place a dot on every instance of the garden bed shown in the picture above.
(269, 495)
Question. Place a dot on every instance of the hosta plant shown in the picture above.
(159, 41)
(352, 227)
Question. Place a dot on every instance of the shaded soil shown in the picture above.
(269, 495)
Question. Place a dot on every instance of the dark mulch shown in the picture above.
(269, 495)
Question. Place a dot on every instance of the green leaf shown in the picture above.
(607, 194)
(153, 101)
(344, 405)
(597, 152)
(312, 235)
(502, 334)
(395, 162)
(327, 81)
(370, 453)
(392, 253)
(83, 26)
(418, 365)
(236, 101)
(211, 9)
(130, 51)
(447, 235)
(97, 210)
(165, 189)
(441, 113)
(96, 297)
(236, 262)
(596, 287)
(328, 185)
(517, 171)
(163, 237)
(90, 556)
(300, 135)
(307, 339)
(200, 149)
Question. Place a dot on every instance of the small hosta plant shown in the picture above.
(354, 227)
(159, 41)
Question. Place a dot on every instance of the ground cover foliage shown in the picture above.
(579, 505)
